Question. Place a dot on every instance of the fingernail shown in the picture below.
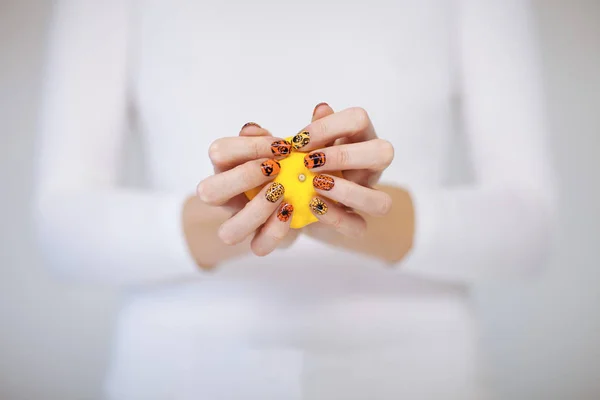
(275, 192)
(318, 206)
(323, 182)
(317, 106)
(251, 124)
(315, 160)
(270, 167)
(301, 140)
(281, 148)
(285, 212)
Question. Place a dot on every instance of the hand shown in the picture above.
(243, 163)
(362, 157)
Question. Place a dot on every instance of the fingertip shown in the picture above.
(281, 148)
(215, 153)
(247, 124)
(270, 167)
(258, 250)
(201, 192)
(224, 235)
(321, 110)
(285, 212)
(386, 204)
(253, 129)
(318, 207)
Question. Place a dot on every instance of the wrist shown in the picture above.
(201, 223)
(192, 229)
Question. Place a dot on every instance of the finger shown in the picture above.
(374, 155)
(352, 123)
(234, 205)
(251, 217)
(216, 190)
(274, 231)
(226, 153)
(321, 111)
(343, 221)
(360, 198)
(253, 129)
(363, 177)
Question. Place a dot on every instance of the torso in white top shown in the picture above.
(310, 322)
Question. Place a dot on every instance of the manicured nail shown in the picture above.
(281, 148)
(323, 182)
(315, 160)
(301, 140)
(318, 206)
(285, 212)
(317, 106)
(251, 124)
(270, 167)
(275, 192)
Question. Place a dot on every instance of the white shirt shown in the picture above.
(181, 74)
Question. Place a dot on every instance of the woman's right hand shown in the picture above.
(243, 163)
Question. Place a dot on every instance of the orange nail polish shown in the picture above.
(323, 182)
(270, 167)
(281, 148)
(315, 160)
(285, 212)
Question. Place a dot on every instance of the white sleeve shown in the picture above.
(504, 222)
(89, 228)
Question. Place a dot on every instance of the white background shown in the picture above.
(542, 337)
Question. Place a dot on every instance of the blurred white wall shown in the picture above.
(543, 336)
(53, 338)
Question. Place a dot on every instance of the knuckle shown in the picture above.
(345, 195)
(275, 236)
(361, 228)
(255, 149)
(320, 126)
(343, 157)
(337, 222)
(245, 172)
(361, 118)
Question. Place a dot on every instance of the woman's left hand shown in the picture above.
(360, 155)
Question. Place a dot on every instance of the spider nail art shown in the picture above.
(318, 206)
(285, 212)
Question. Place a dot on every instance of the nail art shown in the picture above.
(285, 212)
(281, 148)
(318, 206)
(315, 160)
(275, 192)
(319, 105)
(301, 140)
(323, 182)
(270, 167)
(251, 124)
